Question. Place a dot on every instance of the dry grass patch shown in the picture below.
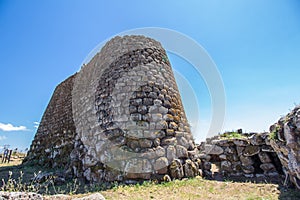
(196, 188)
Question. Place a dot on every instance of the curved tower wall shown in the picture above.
(128, 115)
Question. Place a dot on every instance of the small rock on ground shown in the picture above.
(20, 195)
(35, 196)
(95, 196)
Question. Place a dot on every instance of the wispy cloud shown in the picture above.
(36, 124)
(10, 127)
(2, 138)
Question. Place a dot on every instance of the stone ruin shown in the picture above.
(285, 141)
(120, 118)
(250, 156)
(273, 154)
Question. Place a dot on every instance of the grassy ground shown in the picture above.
(196, 188)
(15, 167)
(15, 160)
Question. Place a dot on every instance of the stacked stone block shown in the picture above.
(286, 142)
(249, 157)
(55, 136)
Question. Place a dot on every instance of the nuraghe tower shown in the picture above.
(119, 118)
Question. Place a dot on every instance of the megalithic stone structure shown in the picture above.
(119, 118)
(286, 143)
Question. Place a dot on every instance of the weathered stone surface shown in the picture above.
(58, 178)
(264, 157)
(190, 169)
(232, 157)
(236, 167)
(230, 150)
(251, 150)
(181, 152)
(248, 169)
(267, 148)
(181, 140)
(241, 142)
(94, 196)
(156, 117)
(213, 149)
(161, 125)
(204, 156)
(193, 154)
(21, 195)
(171, 153)
(167, 178)
(170, 132)
(286, 144)
(176, 169)
(156, 142)
(267, 167)
(223, 143)
(173, 126)
(223, 157)
(257, 139)
(246, 160)
(161, 165)
(145, 143)
(160, 151)
(240, 150)
(207, 165)
(169, 141)
(138, 168)
(58, 197)
(249, 175)
(226, 166)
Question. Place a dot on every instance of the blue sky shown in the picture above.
(255, 45)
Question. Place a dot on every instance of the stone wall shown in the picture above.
(54, 139)
(249, 156)
(123, 117)
(285, 140)
(128, 95)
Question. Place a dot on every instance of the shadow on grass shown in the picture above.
(23, 178)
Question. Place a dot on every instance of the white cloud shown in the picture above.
(10, 127)
(2, 138)
(36, 124)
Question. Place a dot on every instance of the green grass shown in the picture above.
(274, 134)
(198, 188)
(232, 135)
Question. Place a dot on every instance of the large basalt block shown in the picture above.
(285, 142)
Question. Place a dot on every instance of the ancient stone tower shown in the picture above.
(119, 118)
